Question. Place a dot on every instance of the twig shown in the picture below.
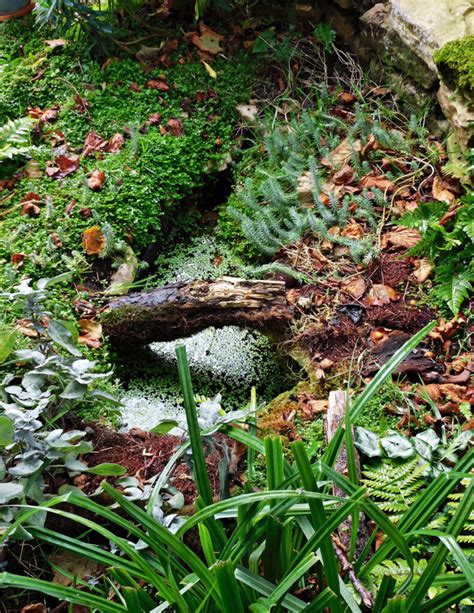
(347, 568)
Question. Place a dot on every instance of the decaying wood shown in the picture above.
(335, 416)
(180, 309)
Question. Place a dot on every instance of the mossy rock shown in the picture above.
(455, 63)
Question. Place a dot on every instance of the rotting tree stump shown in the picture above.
(181, 309)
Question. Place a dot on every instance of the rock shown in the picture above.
(379, 33)
(425, 26)
(460, 113)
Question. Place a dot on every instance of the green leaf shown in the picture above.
(107, 470)
(368, 442)
(228, 587)
(7, 431)
(9, 491)
(164, 426)
(7, 342)
(397, 446)
(64, 334)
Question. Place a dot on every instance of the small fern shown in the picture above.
(451, 247)
(15, 138)
(395, 486)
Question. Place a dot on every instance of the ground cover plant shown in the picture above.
(140, 149)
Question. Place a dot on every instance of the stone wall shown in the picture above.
(400, 37)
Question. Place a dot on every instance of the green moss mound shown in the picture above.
(455, 62)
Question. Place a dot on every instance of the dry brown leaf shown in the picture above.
(423, 269)
(369, 146)
(74, 566)
(18, 259)
(175, 127)
(55, 42)
(93, 240)
(208, 41)
(441, 191)
(346, 98)
(94, 142)
(353, 230)
(402, 237)
(64, 166)
(343, 176)
(37, 607)
(342, 154)
(404, 206)
(355, 287)
(378, 181)
(381, 294)
(158, 85)
(154, 119)
(90, 333)
(437, 391)
(115, 142)
(30, 202)
(25, 327)
(96, 180)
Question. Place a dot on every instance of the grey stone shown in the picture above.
(426, 25)
(378, 33)
(460, 114)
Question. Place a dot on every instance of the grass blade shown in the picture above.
(228, 587)
(318, 516)
(68, 594)
(436, 561)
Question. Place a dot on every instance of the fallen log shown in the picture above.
(181, 309)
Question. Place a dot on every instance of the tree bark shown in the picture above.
(181, 309)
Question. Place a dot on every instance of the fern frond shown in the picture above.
(15, 138)
(395, 486)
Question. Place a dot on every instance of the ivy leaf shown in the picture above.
(163, 427)
(64, 335)
(367, 442)
(7, 431)
(397, 446)
(108, 470)
(7, 342)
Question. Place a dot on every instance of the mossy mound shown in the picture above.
(455, 62)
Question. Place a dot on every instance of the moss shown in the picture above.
(455, 62)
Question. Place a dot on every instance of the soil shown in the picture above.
(340, 338)
(145, 455)
(389, 270)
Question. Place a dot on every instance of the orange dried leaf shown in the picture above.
(378, 181)
(381, 294)
(403, 237)
(96, 180)
(355, 287)
(93, 240)
(441, 191)
(423, 269)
